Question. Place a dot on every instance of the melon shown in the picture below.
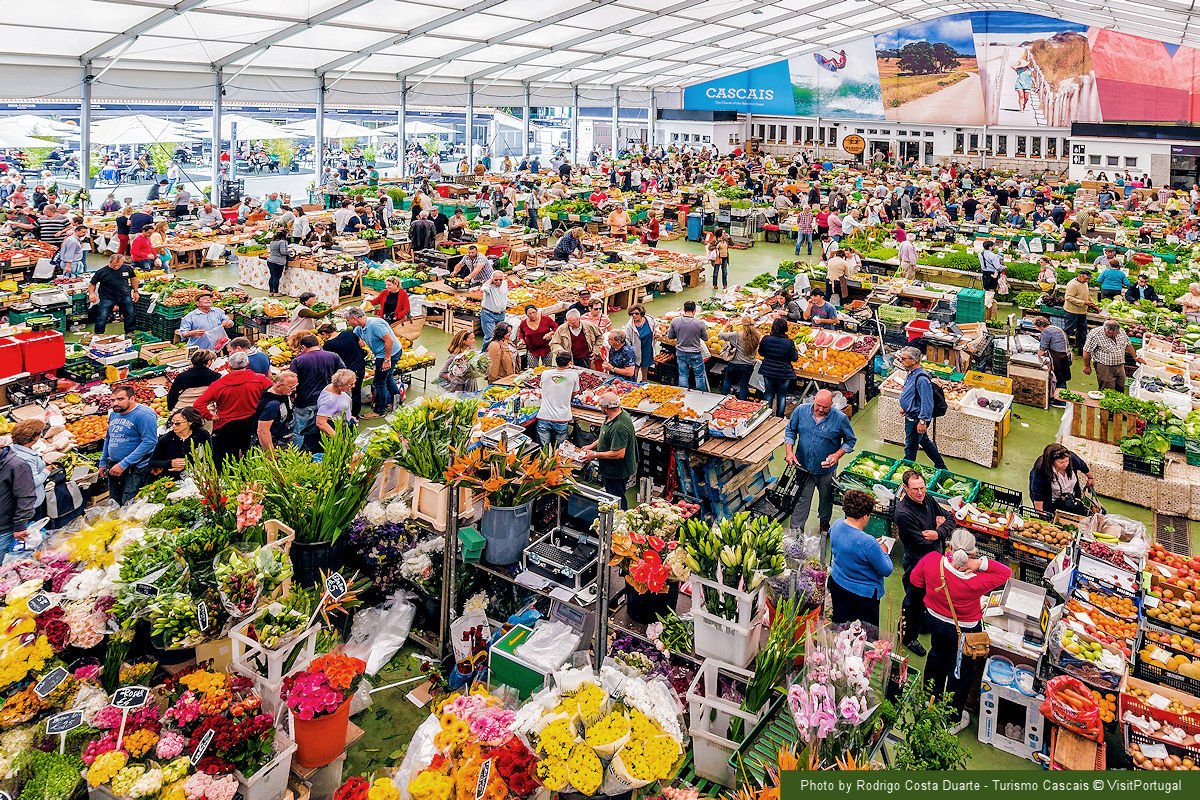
(843, 341)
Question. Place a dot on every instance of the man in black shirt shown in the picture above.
(440, 223)
(969, 205)
(274, 415)
(157, 191)
(348, 347)
(1002, 196)
(114, 285)
(923, 526)
(139, 220)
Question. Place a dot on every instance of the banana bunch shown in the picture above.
(1106, 538)
(5, 425)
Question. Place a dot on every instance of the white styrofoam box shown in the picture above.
(971, 407)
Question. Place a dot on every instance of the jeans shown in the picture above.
(487, 321)
(740, 373)
(1077, 326)
(615, 487)
(384, 386)
(822, 486)
(360, 376)
(721, 266)
(775, 393)
(276, 274)
(913, 440)
(692, 363)
(104, 311)
(1070, 247)
(848, 606)
(804, 238)
(943, 655)
(551, 432)
(124, 487)
(303, 420)
(7, 540)
(912, 610)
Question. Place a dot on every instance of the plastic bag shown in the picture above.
(420, 752)
(378, 633)
(550, 645)
(1069, 703)
(1058, 573)
(675, 284)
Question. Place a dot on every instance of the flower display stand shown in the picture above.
(711, 716)
(266, 666)
(270, 781)
(734, 641)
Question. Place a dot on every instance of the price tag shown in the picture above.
(66, 721)
(1154, 750)
(130, 697)
(335, 586)
(481, 782)
(50, 681)
(145, 589)
(202, 620)
(40, 603)
(1158, 701)
(1160, 655)
(202, 747)
(1150, 601)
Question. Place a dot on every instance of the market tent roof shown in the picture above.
(414, 127)
(247, 128)
(334, 129)
(138, 129)
(278, 50)
(33, 125)
(9, 138)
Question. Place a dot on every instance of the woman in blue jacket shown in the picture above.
(860, 563)
(778, 354)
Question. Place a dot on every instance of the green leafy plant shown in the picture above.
(160, 154)
(1150, 446)
(928, 743)
(424, 437)
(283, 149)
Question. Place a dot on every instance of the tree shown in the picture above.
(918, 58)
(283, 149)
(160, 154)
(947, 56)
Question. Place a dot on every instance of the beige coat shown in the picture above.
(560, 342)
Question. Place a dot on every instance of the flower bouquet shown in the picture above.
(649, 558)
(243, 578)
(506, 480)
(319, 699)
(739, 552)
(845, 675)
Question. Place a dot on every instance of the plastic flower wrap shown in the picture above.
(176, 769)
(169, 746)
(138, 743)
(585, 769)
(122, 783)
(431, 785)
(12, 744)
(150, 782)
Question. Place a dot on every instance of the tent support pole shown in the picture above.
(214, 194)
(575, 125)
(525, 114)
(85, 131)
(471, 123)
(616, 121)
(651, 123)
(319, 161)
(401, 134)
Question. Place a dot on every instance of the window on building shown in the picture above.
(856, 130)
(1001, 145)
(1066, 148)
(974, 143)
(832, 138)
(1093, 161)
(1113, 161)
(959, 139)
(798, 136)
(1036, 149)
(873, 131)
(929, 134)
(770, 133)
(1022, 144)
(1131, 161)
(1052, 147)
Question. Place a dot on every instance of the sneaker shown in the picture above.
(962, 724)
(1057, 404)
(916, 648)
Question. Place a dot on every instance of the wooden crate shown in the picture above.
(1101, 425)
(1031, 387)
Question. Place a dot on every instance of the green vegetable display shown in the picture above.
(1150, 446)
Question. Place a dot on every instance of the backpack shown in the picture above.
(939, 399)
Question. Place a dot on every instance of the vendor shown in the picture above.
(837, 273)
(1052, 344)
(186, 432)
(1106, 347)
(1142, 290)
(198, 325)
(569, 245)
(210, 217)
(860, 563)
(820, 311)
(622, 357)
(191, 383)
(456, 226)
(1057, 481)
(1047, 274)
(618, 221)
(304, 319)
(816, 438)
(392, 303)
(923, 526)
(475, 267)
(616, 449)
(1190, 303)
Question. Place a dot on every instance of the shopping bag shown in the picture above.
(101, 243)
(675, 284)
(215, 251)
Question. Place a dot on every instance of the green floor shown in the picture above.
(390, 723)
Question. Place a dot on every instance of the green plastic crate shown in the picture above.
(505, 668)
(891, 462)
(945, 473)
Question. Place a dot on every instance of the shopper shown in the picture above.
(990, 266)
(558, 386)
(860, 563)
(742, 338)
(392, 303)
(954, 584)
(314, 368)
(622, 357)
(1076, 304)
(1057, 481)
(778, 353)
(1052, 344)
(131, 438)
(185, 432)
(348, 347)
(274, 416)
(333, 404)
(385, 347)
(455, 374)
(114, 286)
(494, 305)
(1142, 290)
(205, 326)
(615, 449)
(1112, 279)
(191, 383)
(582, 340)
(1106, 348)
(718, 255)
(25, 435)
(502, 355)
(260, 362)
(277, 258)
(70, 252)
(639, 331)
(689, 335)
(122, 223)
(534, 331)
(922, 525)
(230, 403)
(18, 499)
(917, 403)
(422, 234)
(816, 438)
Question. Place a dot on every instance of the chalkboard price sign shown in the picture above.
(50, 681)
(335, 586)
(146, 589)
(40, 603)
(130, 697)
(202, 747)
(64, 722)
(202, 620)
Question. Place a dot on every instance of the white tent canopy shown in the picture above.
(415, 127)
(10, 138)
(138, 129)
(247, 128)
(334, 129)
(32, 125)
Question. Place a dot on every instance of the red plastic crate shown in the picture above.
(11, 360)
(42, 351)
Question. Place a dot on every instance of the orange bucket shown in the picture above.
(319, 741)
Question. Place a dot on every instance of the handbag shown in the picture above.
(974, 644)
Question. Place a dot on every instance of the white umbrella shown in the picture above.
(11, 139)
(415, 127)
(247, 128)
(31, 125)
(138, 129)
(334, 129)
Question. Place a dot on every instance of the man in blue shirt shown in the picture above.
(273, 205)
(916, 401)
(568, 245)
(384, 345)
(820, 311)
(817, 436)
(197, 323)
(132, 435)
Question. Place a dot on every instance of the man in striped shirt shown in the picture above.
(804, 229)
(52, 225)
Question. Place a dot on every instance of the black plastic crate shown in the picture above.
(942, 312)
(687, 433)
(654, 460)
(1148, 671)
(1011, 499)
(1144, 466)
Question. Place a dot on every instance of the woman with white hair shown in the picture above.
(332, 404)
(954, 582)
(1190, 303)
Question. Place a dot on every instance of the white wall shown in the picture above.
(1099, 154)
(725, 135)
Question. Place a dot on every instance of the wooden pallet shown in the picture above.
(1174, 533)
(1089, 421)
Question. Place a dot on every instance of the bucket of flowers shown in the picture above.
(645, 550)
(319, 699)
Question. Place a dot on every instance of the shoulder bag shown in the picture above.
(974, 644)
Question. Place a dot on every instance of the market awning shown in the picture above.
(334, 129)
(138, 129)
(247, 128)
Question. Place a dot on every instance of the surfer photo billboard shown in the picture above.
(837, 82)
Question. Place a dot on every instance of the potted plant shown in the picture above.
(318, 697)
(508, 483)
(645, 550)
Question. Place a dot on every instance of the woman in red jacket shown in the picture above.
(954, 583)
(392, 302)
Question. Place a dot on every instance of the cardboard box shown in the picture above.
(1009, 719)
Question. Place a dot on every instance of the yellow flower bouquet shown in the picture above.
(585, 769)
(609, 734)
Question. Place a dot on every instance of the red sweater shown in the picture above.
(965, 589)
(141, 249)
(403, 307)
(235, 395)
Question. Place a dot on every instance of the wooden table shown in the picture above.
(753, 448)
